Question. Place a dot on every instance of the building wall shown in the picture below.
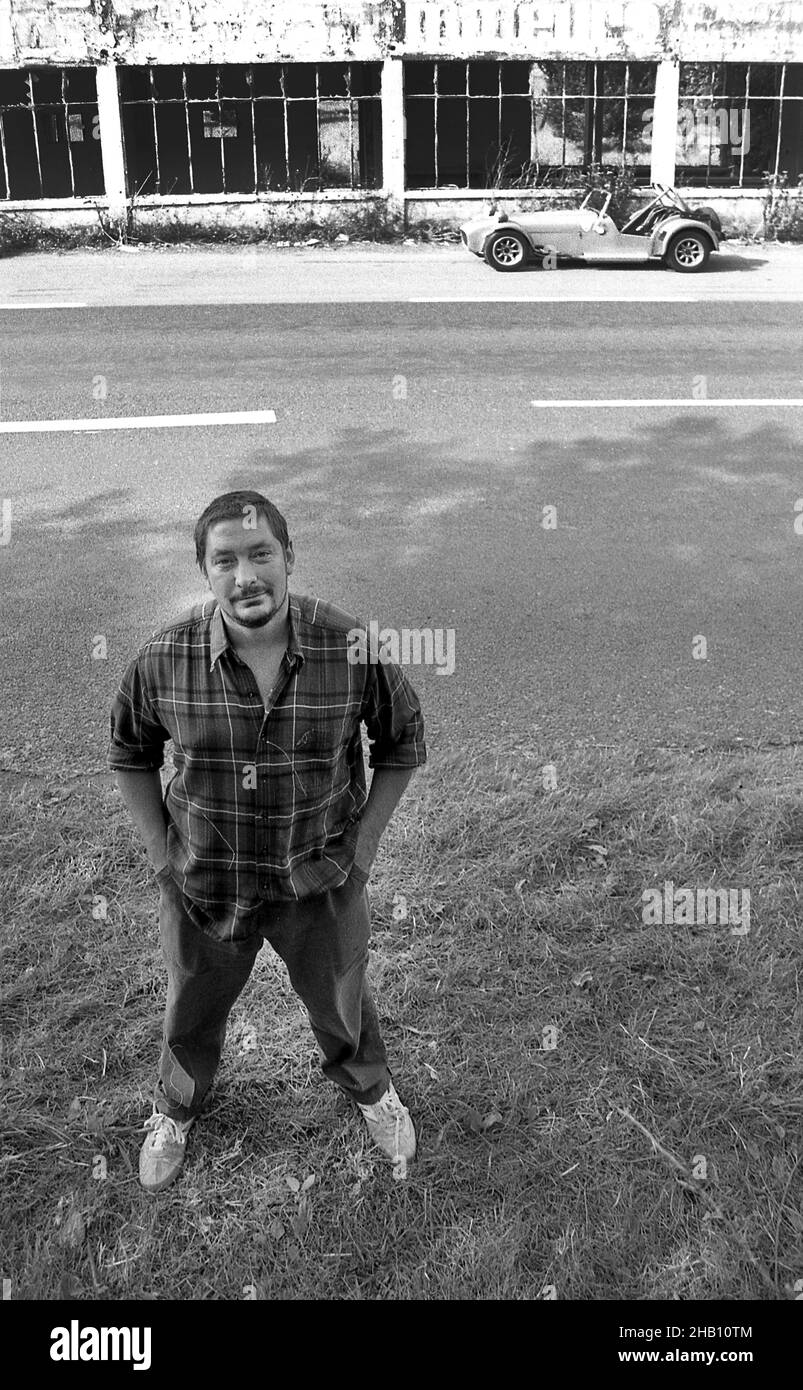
(637, 29)
(112, 35)
(235, 31)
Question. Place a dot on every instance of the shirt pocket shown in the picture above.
(322, 769)
(316, 754)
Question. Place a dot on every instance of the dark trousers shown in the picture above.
(323, 941)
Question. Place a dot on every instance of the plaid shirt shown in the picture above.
(263, 805)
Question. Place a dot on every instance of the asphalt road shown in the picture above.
(365, 272)
(414, 468)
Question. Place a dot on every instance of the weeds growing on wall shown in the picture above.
(23, 231)
(783, 209)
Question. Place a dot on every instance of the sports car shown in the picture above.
(666, 230)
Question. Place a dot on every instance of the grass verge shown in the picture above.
(326, 226)
(605, 1109)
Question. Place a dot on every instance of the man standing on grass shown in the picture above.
(265, 830)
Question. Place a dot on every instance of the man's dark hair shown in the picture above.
(230, 505)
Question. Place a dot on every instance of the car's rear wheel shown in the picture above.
(688, 252)
(506, 250)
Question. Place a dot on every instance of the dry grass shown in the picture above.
(290, 225)
(568, 1166)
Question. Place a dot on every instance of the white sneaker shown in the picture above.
(162, 1155)
(392, 1130)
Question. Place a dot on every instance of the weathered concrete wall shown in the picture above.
(702, 30)
(239, 31)
(239, 217)
(741, 211)
(198, 31)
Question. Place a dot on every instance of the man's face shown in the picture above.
(247, 570)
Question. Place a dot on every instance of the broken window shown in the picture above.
(49, 134)
(489, 124)
(284, 127)
(739, 122)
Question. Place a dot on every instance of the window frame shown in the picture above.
(61, 112)
(365, 171)
(718, 97)
(592, 94)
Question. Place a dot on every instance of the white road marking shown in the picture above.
(668, 401)
(719, 297)
(139, 422)
(41, 304)
(781, 297)
(556, 299)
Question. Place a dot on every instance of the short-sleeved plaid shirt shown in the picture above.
(263, 805)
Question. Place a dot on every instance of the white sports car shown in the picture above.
(666, 230)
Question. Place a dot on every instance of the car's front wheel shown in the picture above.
(506, 250)
(687, 252)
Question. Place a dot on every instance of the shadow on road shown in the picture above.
(731, 260)
(377, 500)
(688, 448)
(666, 525)
(720, 261)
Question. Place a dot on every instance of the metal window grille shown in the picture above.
(49, 143)
(548, 118)
(254, 139)
(740, 123)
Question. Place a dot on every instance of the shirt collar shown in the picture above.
(219, 635)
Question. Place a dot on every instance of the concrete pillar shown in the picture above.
(111, 140)
(665, 122)
(393, 133)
